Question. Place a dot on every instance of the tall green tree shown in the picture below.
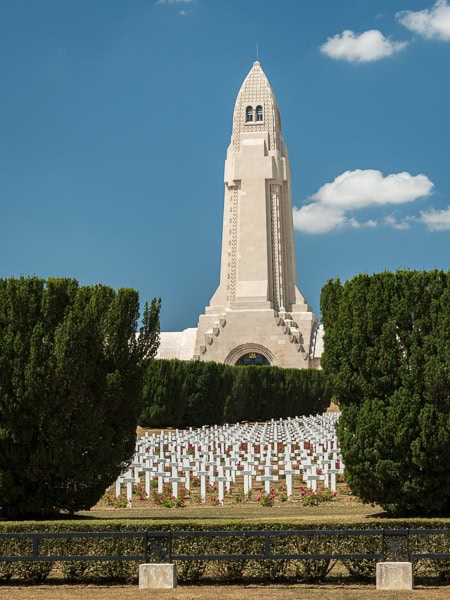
(387, 355)
(71, 361)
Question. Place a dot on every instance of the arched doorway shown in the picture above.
(250, 354)
(252, 358)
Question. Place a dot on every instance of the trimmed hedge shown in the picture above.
(236, 570)
(193, 393)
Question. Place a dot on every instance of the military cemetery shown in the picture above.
(243, 457)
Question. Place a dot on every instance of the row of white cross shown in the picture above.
(221, 455)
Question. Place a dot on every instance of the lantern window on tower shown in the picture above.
(249, 114)
(259, 113)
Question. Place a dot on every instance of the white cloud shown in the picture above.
(357, 225)
(366, 47)
(393, 222)
(430, 23)
(317, 218)
(174, 1)
(436, 220)
(360, 188)
(181, 12)
(333, 204)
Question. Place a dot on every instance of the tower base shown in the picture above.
(260, 336)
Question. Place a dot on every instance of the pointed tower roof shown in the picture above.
(256, 91)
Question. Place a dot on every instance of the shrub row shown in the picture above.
(236, 570)
(194, 393)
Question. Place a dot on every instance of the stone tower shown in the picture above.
(257, 314)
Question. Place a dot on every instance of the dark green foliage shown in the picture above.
(192, 394)
(70, 383)
(387, 354)
(178, 393)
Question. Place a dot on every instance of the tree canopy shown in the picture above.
(71, 366)
(387, 354)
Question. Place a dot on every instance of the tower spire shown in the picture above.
(257, 306)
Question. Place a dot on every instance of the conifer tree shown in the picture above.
(70, 388)
(387, 355)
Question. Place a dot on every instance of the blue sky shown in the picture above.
(115, 117)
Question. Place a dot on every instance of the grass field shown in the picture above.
(224, 592)
(342, 509)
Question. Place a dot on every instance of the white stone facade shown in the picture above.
(257, 312)
(177, 344)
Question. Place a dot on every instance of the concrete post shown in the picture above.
(394, 576)
(162, 576)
